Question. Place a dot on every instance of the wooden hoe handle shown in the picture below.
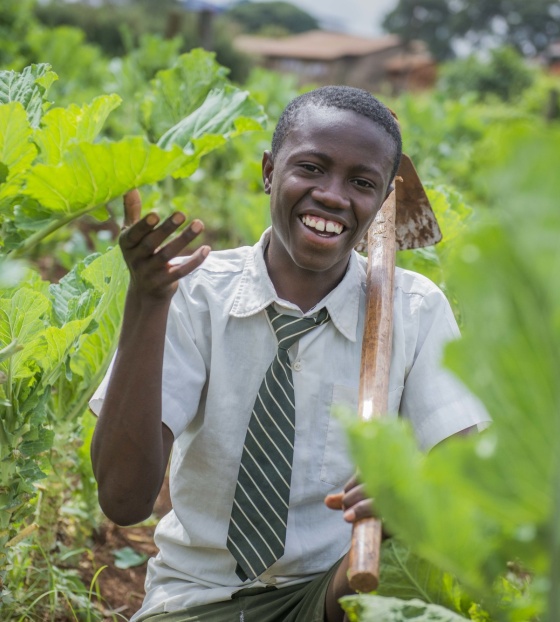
(374, 376)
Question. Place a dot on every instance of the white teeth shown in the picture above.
(323, 225)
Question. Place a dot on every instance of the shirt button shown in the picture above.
(296, 366)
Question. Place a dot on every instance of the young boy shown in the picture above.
(205, 365)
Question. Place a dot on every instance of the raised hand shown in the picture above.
(153, 273)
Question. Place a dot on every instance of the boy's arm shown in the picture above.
(131, 446)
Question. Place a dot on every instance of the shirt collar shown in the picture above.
(256, 291)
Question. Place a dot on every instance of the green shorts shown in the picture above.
(304, 602)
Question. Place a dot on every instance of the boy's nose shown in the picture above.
(331, 195)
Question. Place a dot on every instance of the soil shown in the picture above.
(122, 590)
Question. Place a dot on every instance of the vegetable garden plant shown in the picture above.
(56, 340)
(483, 512)
(475, 535)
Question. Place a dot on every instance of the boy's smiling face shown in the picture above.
(327, 183)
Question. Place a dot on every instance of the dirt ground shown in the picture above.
(122, 590)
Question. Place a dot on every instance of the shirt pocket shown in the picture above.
(337, 466)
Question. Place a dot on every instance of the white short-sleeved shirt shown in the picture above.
(218, 346)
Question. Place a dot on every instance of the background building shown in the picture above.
(335, 58)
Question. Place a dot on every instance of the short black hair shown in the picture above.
(343, 98)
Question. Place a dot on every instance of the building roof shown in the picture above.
(314, 45)
(409, 62)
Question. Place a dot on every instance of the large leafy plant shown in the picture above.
(56, 166)
(485, 509)
(55, 169)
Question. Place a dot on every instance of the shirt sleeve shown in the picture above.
(184, 372)
(435, 401)
(96, 401)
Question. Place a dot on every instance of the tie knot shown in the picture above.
(290, 329)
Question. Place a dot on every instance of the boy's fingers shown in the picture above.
(334, 502)
(132, 236)
(355, 496)
(185, 265)
(363, 509)
(177, 244)
(354, 503)
(132, 207)
(351, 483)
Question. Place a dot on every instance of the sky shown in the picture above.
(359, 17)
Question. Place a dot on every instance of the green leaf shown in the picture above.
(473, 505)
(107, 274)
(367, 608)
(412, 492)
(453, 216)
(29, 472)
(175, 93)
(407, 576)
(225, 112)
(33, 408)
(61, 127)
(29, 88)
(59, 342)
(450, 210)
(127, 557)
(17, 152)
(21, 320)
(72, 298)
(42, 442)
(106, 278)
(90, 175)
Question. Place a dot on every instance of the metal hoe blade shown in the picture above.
(416, 225)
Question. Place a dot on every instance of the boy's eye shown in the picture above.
(310, 167)
(363, 183)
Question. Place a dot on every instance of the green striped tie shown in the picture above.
(257, 527)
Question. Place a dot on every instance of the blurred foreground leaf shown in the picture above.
(379, 609)
(474, 506)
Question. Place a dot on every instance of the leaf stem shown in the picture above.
(39, 236)
(411, 578)
(10, 394)
(5, 444)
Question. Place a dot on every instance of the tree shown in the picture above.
(528, 26)
(503, 74)
(105, 22)
(255, 17)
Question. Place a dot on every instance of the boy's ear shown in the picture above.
(267, 170)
